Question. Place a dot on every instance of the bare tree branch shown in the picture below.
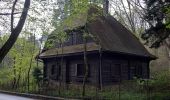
(6, 14)
(12, 15)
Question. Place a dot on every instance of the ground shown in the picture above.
(12, 97)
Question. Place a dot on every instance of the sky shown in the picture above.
(40, 13)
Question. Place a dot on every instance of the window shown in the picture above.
(116, 71)
(81, 70)
(89, 39)
(69, 40)
(74, 37)
(58, 70)
(52, 69)
(136, 70)
(79, 38)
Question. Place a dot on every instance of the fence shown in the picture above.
(126, 90)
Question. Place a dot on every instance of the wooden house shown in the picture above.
(113, 52)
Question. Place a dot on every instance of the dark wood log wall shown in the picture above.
(113, 69)
(93, 70)
(128, 70)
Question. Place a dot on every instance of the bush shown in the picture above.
(37, 74)
(161, 81)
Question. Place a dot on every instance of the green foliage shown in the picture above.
(168, 17)
(4, 75)
(74, 16)
(17, 62)
(37, 74)
(161, 79)
(157, 15)
(159, 86)
(58, 36)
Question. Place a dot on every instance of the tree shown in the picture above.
(14, 31)
(38, 76)
(17, 62)
(129, 13)
(157, 15)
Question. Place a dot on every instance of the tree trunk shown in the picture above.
(15, 32)
(100, 68)
(14, 80)
(31, 60)
(28, 74)
(61, 71)
(20, 69)
(19, 77)
(86, 66)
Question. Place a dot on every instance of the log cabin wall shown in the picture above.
(53, 69)
(139, 68)
(117, 67)
(114, 69)
(69, 69)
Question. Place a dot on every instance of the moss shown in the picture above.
(69, 49)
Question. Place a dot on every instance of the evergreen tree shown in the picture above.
(157, 15)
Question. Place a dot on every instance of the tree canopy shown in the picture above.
(158, 16)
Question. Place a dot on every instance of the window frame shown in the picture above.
(76, 70)
(52, 70)
(58, 71)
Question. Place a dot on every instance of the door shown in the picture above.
(116, 72)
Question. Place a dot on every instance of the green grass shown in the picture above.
(160, 96)
(156, 89)
(126, 93)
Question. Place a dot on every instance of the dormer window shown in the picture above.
(75, 38)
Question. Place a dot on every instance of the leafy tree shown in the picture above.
(18, 61)
(129, 13)
(157, 15)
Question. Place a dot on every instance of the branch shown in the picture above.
(119, 15)
(6, 14)
(15, 32)
(12, 14)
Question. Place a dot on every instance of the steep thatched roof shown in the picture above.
(113, 36)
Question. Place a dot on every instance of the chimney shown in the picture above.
(105, 7)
